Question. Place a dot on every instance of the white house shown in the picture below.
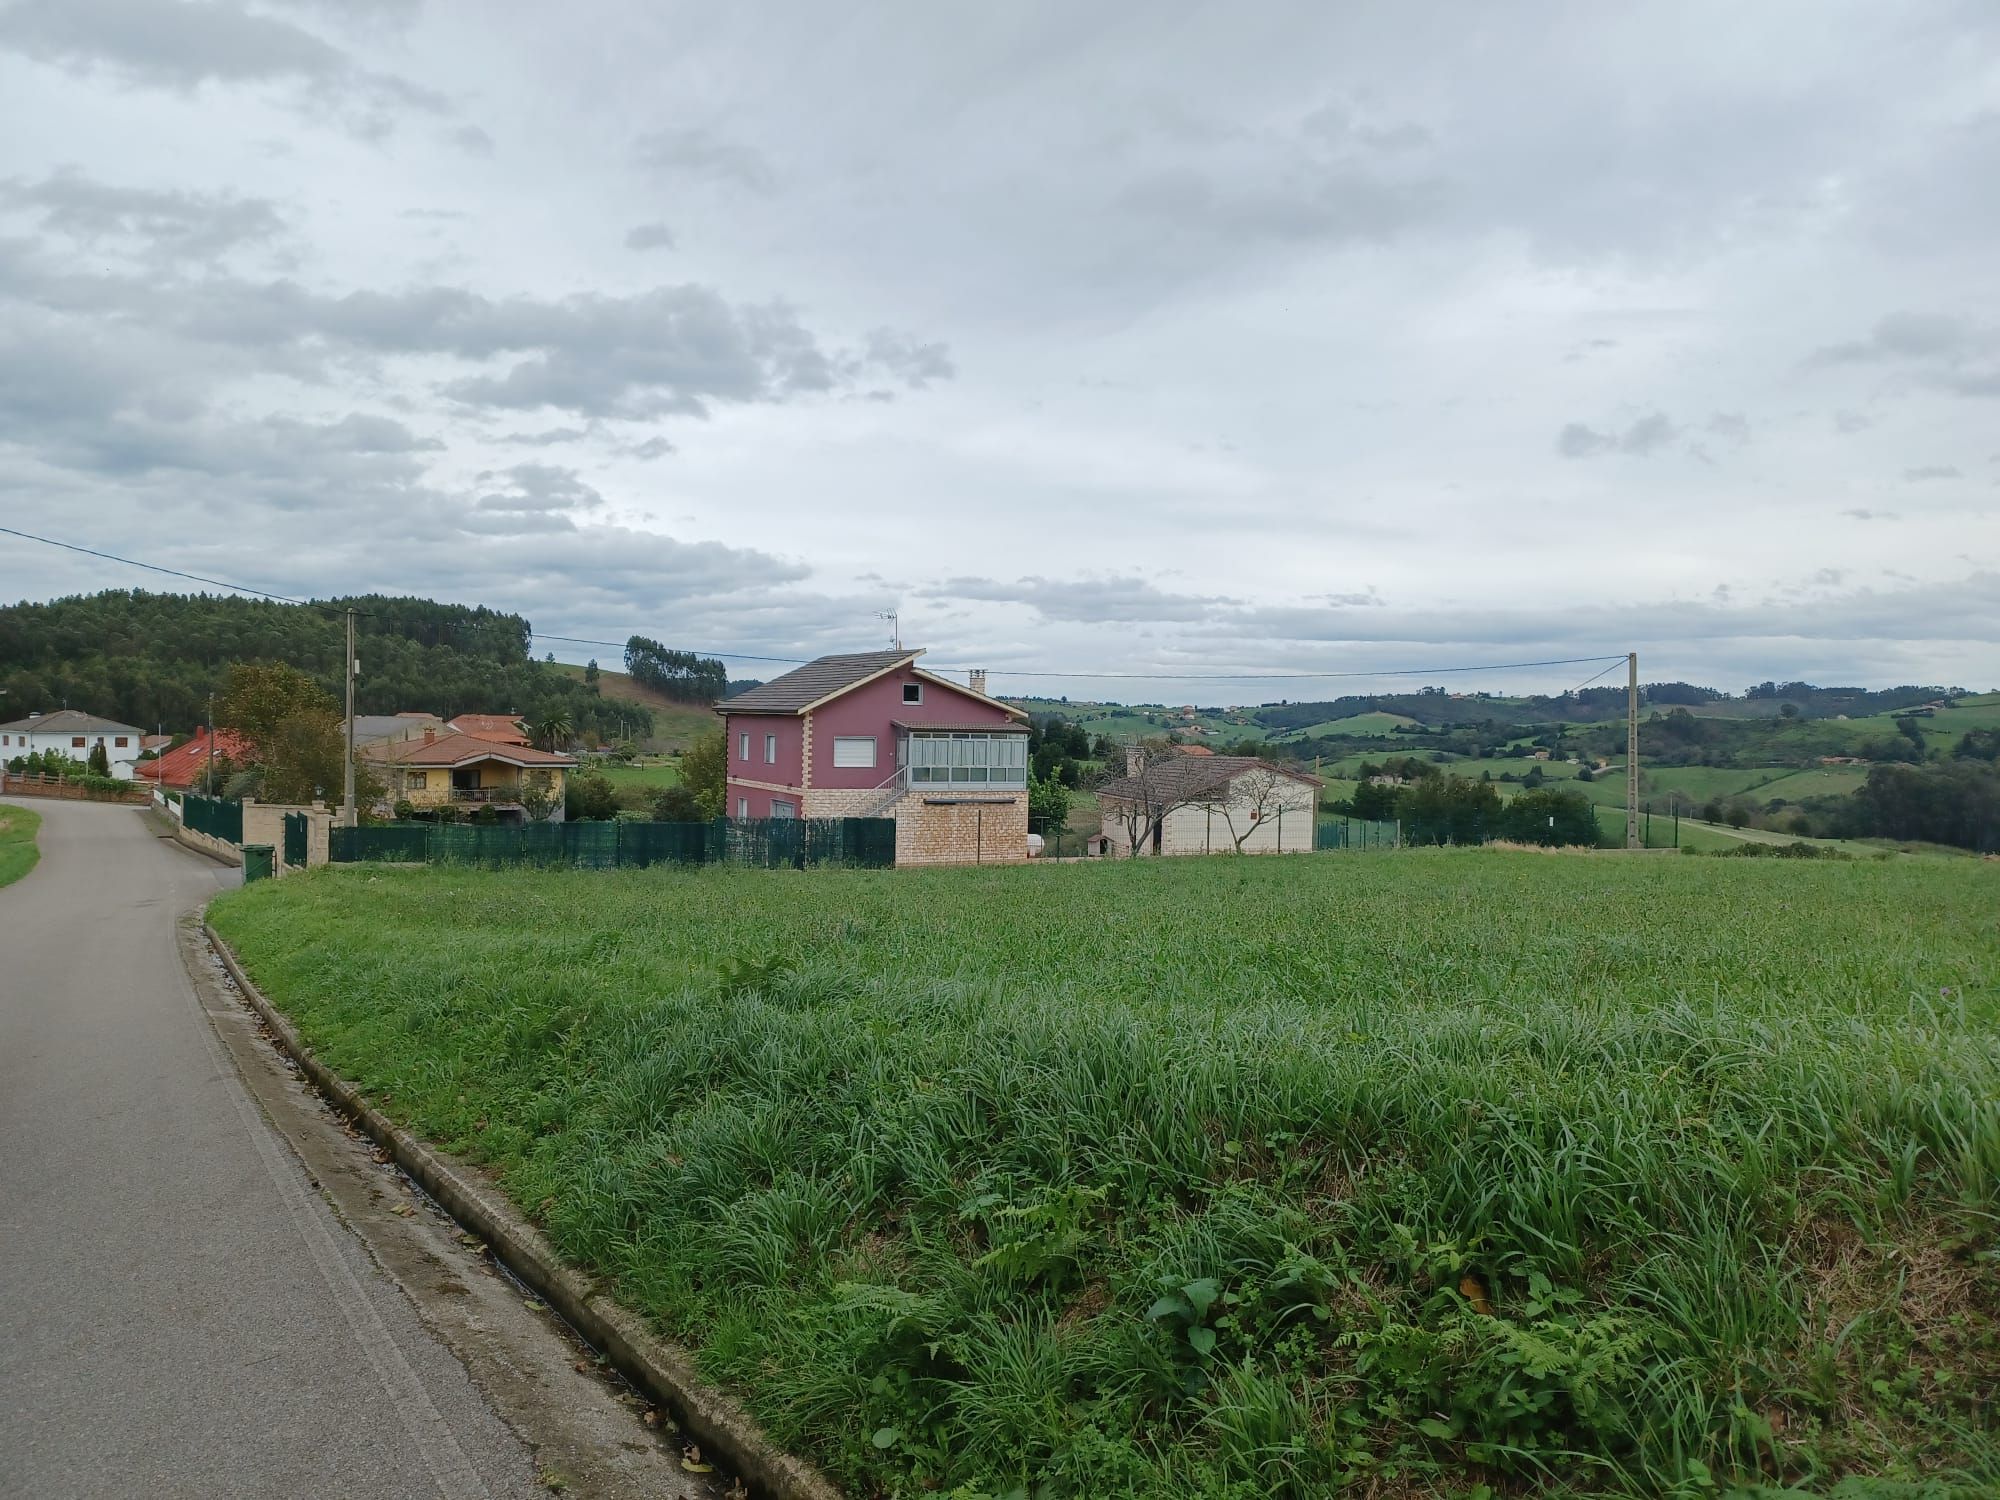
(1182, 803)
(73, 733)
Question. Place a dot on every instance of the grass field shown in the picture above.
(1414, 1172)
(1368, 724)
(18, 852)
(1823, 781)
(652, 777)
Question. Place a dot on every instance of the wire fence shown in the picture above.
(765, 843)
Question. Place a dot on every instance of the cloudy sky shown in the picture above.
(1148, 338)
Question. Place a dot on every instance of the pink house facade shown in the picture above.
(873, 735)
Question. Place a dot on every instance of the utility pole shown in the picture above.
(1632, 751)
(211, 745)
(347, 789)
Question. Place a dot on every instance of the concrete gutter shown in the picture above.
(661, 1370)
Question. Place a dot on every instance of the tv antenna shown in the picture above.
(895, 630)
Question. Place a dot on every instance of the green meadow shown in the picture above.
(1434, 1172)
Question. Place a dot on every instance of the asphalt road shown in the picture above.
(181, 1313)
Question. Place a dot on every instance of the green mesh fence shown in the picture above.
(765, 843)
(1355, 833)
(217, 817)
(404, 843)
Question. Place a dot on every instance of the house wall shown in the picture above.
(1287, 827)
(122, 757)
(437, 788)
(961, 833)
(871, 709)
(756, 778)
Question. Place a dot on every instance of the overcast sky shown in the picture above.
(1148, 337)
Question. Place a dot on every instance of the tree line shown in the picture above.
(683, 676)
(145, 658)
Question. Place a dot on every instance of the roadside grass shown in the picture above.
(18, 852)
(1417, 1173)
(652, 777)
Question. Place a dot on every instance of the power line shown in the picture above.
(130, 562)
(1594, 676)
(1504, 666)
(577, 640)
(571, 640)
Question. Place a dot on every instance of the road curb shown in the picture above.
(660, 1369)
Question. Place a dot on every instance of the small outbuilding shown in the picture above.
(1176, 803)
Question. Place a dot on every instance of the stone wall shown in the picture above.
(961, 832)
(264, 823)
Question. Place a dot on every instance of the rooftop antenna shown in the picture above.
(895, 630)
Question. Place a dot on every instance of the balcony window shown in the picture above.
(969, 760)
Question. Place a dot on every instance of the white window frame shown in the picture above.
(844, 752)
(743, 808)
(770, 749)
(743, 747)
(968, 760)
(913, 687)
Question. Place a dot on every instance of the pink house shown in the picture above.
(873, 735)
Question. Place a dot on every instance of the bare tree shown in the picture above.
(1153, 788)
(1251, 796)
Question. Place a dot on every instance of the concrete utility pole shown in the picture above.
(1632, 751)
(347, 793)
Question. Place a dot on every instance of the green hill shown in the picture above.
(147, 659)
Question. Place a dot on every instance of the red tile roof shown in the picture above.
(505, 728)
(459, 750)
(180, 768)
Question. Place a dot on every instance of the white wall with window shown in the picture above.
(968, 760)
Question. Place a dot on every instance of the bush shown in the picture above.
(675, 804)
(589, 797)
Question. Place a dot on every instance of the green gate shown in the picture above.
(295, 840)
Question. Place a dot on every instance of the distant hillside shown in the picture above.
(673, 724)
(148, 659)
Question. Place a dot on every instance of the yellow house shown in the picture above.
(465, 772)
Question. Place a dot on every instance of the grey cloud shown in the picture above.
(916, 364)
(539, 497)
(183, 44)
(1088, 600)
(649, 237)
(1850, 422)
(648, 449)
(1863, 513)
(1646, 435)
(165, 223)
(1944, 351)
(471, 140)
(1932, 471)
(547, 438)
(698, 153)
(1731, 425)
(670, 350)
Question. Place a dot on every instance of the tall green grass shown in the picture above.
(18, 851)
(1237, 1178)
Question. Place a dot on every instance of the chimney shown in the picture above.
(1135, 760)
(430, 735)
(979, 680)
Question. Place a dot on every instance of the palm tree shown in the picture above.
(555, 729)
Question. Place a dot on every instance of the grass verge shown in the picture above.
(18, 852)
(1235, 1178)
